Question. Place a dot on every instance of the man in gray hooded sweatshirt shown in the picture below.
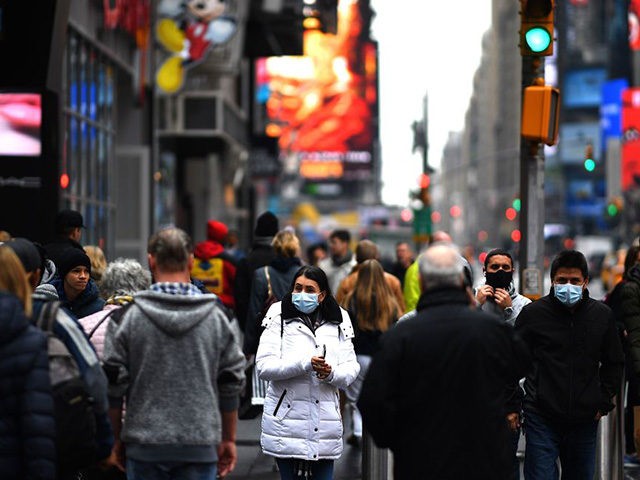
(172, 353)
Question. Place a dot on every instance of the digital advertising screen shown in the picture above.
(20, 124)
(583, 88)
(322, 107)
(630, 168)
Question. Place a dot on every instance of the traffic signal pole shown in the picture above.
(531, 254)
(540, 107)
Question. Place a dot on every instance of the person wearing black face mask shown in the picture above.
(498, 296)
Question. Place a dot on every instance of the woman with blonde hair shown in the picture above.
(26, 416)
(98, 262)
(13, 278)
(373, 308)
(272, 280)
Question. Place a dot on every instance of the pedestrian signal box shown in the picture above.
(536, 27)
(540, 112)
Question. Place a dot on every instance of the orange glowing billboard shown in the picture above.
(322, 106)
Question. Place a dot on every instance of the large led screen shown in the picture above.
(322, 106)
(630, 168)
(20, 124)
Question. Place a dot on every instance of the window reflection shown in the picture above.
(89, 136)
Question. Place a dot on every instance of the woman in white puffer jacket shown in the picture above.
(306, 354)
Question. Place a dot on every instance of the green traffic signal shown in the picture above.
(538, 39)
(589, 165)
(516, 204)
(612, 210)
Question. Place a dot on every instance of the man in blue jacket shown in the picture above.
(577, 369)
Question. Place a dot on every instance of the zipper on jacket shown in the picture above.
(280, 402)
(573, 347)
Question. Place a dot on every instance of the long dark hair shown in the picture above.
(329, 308)
(313, 273)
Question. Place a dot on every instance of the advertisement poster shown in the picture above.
(630, 167)
(322, 106)
(20, 124)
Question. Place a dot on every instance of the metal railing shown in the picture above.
(610, 442)
(377, 463)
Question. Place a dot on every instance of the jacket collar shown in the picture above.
(442, 296)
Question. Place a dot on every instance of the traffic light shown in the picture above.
(614, 211)
(536, 27)
(540, 112)
(589, 162)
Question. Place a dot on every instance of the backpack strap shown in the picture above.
(116, 314)
(47, 316)
(100, 322)
(269, 289)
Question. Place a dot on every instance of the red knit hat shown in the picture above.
(216, 231)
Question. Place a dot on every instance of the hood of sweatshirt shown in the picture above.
(175, 314)
(208, 249)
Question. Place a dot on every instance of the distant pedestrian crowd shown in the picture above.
(112, 369)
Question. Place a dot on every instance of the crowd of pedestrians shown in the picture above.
(164, 357)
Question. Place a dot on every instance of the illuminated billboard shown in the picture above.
(322, 106)
(20, 124)
(630, 168)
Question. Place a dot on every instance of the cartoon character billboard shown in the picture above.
(188, 30)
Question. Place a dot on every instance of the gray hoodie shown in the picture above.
(179, 364)
(509, 316)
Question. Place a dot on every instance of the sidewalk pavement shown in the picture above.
(253, 465)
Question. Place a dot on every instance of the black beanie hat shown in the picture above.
(27, 252)
(266, 225)
(71, 258)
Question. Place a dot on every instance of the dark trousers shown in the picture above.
(573, 444)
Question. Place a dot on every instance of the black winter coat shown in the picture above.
(281, 272)
(58, 246)
(628, 312)
(577, 358)
(437, 388)
(27, 425)
(260, 255)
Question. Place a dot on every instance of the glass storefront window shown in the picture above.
(90, 134)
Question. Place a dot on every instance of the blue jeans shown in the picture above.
(137, 470)
(321, 470)
(574, 444)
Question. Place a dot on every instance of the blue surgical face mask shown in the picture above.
(305, 302)
(568, 294)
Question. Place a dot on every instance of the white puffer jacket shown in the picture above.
(301, 417)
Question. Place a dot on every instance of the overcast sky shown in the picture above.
(426, 46)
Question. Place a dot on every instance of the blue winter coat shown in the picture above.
(27, 425)
(85, 304)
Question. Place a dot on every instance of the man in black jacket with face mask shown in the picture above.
(577, 369)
